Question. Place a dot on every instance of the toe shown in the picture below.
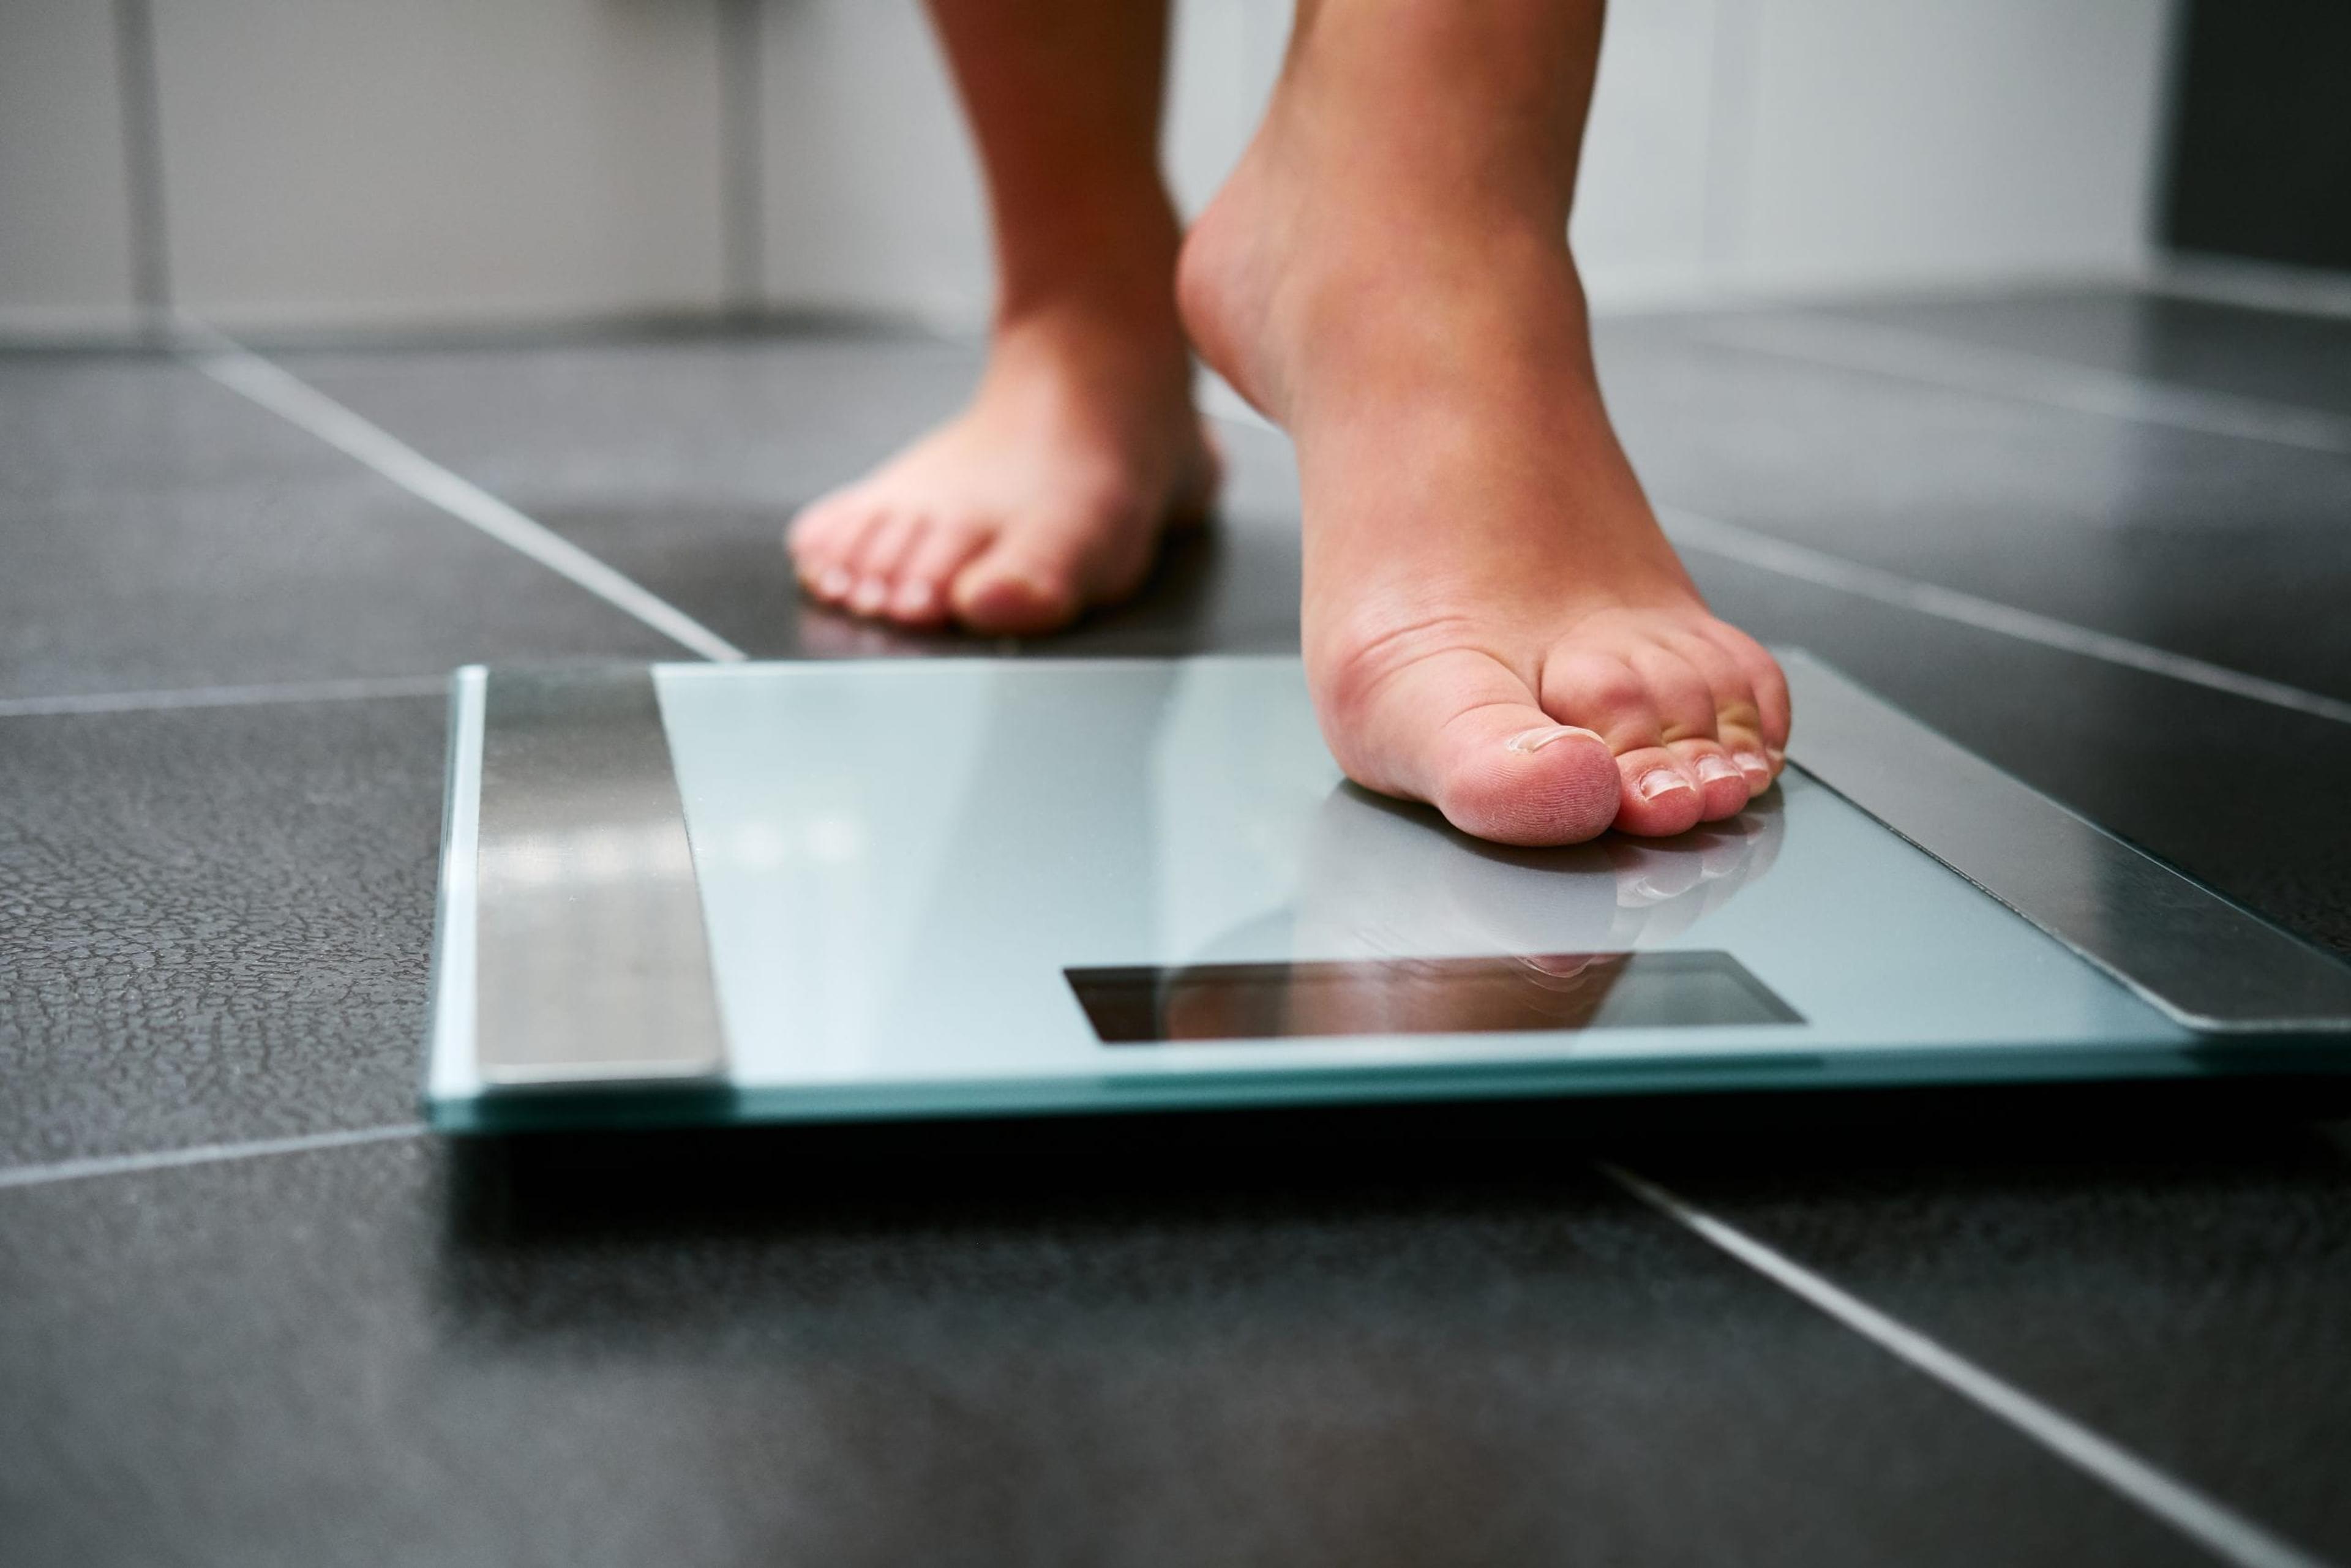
(816, 536)
(1658, 796)
(999, 599)
(1601, 692)
(1768, 688)
(920, 596)
(1631, 703)
(1738, 722)
(830, 573)
(1461, 731)
(875, 566)
(1680, 694)
(1024, 583)
(1755, 765)
(1721, 785)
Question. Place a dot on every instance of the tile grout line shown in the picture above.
(1771, 553)
(299, 404)
(203, 1153)
(742, 176)
(172, 698)
(146, 232)
(295, 400)
(1928, 359)
(2212, 1525)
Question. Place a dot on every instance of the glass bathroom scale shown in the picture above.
(811, 890)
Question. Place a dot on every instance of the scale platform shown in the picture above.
(814, 891)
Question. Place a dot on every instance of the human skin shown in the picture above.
(1493, 621)
(1050, 491)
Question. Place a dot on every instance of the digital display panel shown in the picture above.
(1545, 992)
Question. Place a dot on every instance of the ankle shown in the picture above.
(1107, 346)
(1439, 101)
(1089, 319)
(1106, 261)
(1282, 294)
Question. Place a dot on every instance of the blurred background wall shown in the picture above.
(289, 164)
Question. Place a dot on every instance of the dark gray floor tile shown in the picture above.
(213, 923)
(371, 1355)
(162, 532)
(2225, 549)
(2182, 1286)
(2274, 356)
(679, 461)
(2243, 795)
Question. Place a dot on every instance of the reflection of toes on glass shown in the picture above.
(1378, 878)
(1661, 874)
(1559, 967)
(834, 633)
(1639, 893)
(1725, 849)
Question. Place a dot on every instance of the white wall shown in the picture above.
(436, 160)
(1779, 146)
(65, 227)
(887, 216)
(367, 162)
(873, 198)
(1983, 138)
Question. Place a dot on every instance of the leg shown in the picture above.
(1050, 491)
(1493, 621)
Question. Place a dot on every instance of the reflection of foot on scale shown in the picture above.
(740, 893)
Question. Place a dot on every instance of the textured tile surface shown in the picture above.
(369, 1355)
(2177, 1283)
(2274, 356)
(1250, 1340)
(213, 923)
(162, 532)
(2222, 548)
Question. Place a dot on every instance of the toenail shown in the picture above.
(1711, 768)
(836, 582)
(1751, 763)
(871, 595)
(1660, 781)
(1537, 738)
(914, 598)
(1776, 755)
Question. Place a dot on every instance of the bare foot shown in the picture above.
(1048, 494)
(1493, 621)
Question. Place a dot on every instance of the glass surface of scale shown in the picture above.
(1006, 885)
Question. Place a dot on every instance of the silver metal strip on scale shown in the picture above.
(591, 963)
(2208, 963)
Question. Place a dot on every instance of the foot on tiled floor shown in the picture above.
(1493, 621)
(1047, 495)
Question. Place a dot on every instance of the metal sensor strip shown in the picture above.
(2208, 963)
(592, 963)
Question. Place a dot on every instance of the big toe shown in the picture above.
(1461, 731)
(1031, 580)
(1013, 599)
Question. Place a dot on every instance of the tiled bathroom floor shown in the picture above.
(250, 1314)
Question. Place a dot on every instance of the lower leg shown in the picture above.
(1050, 491)
(1493, 621)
